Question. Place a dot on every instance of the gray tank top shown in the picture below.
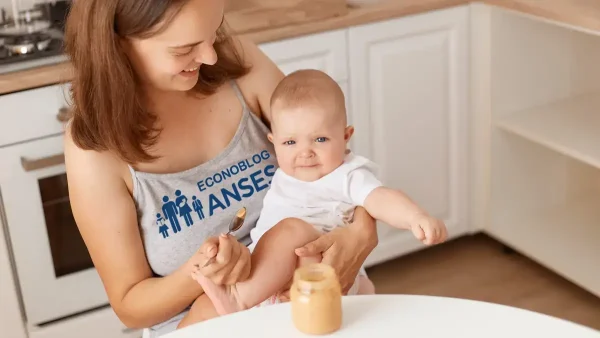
(177, 212)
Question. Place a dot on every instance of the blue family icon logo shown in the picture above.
(216, 193)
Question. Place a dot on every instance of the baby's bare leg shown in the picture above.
(201, 310)
(302, 261)
(273, 263)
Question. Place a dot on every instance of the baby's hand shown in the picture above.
(428, 230)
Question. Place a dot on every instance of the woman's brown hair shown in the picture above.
(107, 113)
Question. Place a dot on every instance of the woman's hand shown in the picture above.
(230, 260)
(346, 248)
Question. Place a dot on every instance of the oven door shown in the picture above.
(55, 272)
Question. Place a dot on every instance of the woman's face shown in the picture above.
(171, 59)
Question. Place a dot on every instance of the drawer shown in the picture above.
(32, 113)
(322, 51)
(102, 323)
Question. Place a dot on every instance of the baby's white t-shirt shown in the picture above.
(326, 203)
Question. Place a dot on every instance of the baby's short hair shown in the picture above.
(308, 87)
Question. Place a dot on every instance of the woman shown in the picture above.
(166, 105)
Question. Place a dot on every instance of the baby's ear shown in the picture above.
(270, 137)
(348, 133)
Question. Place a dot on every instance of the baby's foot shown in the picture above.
(223, 297)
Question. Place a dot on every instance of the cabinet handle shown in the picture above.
(41, 163)
(63, 115)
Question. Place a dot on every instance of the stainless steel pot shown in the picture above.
(19, 46)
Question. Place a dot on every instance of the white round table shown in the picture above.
(398, 316)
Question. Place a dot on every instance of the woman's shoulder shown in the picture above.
(264, 75)
(83, 165)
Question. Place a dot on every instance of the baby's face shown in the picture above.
(309, 142)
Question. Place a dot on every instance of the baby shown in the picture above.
(315, 189)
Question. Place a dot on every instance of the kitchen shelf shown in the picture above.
(570, 127)
(564, 238)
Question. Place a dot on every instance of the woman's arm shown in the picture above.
(346, 248)
(106, 218)
(260, 83)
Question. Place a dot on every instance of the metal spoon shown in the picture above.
(235, 225)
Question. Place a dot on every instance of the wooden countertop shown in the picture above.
(582, 13)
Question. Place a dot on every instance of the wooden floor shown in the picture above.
(476, 267)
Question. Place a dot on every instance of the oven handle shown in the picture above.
(41, 163)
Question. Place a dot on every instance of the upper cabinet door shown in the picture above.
(409, 90)
(323, 51)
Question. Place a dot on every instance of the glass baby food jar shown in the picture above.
(316, 299)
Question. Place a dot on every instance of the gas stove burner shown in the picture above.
(27, 44)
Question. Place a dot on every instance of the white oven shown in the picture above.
(55, 274)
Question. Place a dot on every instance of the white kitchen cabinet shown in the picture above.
(409, 92)
(323, 51)
(32, 114)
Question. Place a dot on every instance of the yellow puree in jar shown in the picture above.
(316, 299)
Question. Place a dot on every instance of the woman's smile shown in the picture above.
(192, 69)
(193, 72)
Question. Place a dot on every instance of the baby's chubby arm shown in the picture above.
(393, 207)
